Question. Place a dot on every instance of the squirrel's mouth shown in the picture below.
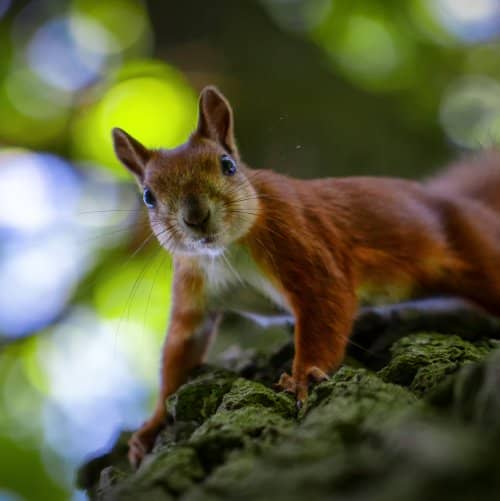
(208, 241)
(207, 244)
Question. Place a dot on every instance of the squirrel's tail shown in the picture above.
(476, 177)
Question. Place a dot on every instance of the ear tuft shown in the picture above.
(130, 152)
(215, 120)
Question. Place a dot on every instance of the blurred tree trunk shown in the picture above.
(293, 113)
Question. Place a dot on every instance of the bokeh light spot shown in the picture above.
(9, 496)
(33, 97)
(4, 6)
(468, 21)
(37, 280)
(35, 205)
(298, 15)
(93, 385)
(125, 20)
(363, 39)
(470, 112)
(159, 110)
(57, 57)
(91, 36)
(370, 51)
(42, 235)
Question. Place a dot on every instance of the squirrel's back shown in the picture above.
(475, 177)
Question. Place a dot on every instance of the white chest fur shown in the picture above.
(235, 283)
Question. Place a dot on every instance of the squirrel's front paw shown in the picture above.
(298, 386)
(142, 441)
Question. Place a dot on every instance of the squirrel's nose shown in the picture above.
(195, 213)
(196, 220)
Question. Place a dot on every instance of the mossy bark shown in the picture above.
(424, 426)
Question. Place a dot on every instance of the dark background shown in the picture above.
(319, 88)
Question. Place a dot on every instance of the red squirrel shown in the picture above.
(312, 247)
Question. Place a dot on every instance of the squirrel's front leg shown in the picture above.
(323, 322)
(190, 330)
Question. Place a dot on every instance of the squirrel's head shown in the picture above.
(198, 195)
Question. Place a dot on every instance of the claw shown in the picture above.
(286, 383)
(298, 387)
(136, 451)
(316, 375)
(142, 441)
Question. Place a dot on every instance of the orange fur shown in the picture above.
(316, 242)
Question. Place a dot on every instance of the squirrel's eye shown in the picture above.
(149, 198)
(228, 165)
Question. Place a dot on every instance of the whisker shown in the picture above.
(141, 246)
(135, 286)
(162, 261)
(231, 268)
(106, 211)
(128, 304)
(105, 235)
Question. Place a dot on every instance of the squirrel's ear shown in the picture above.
(215, 119)
(130, 152)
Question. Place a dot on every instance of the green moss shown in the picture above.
(472, 394)
(236, 469)
(199, 398)
(137, 493)
(110, 477)
(422, 361)
(353, 403)
(174, 470)
(354, 400)
(360, 435)
(245, 393)
(251, 415)
(253, 427)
